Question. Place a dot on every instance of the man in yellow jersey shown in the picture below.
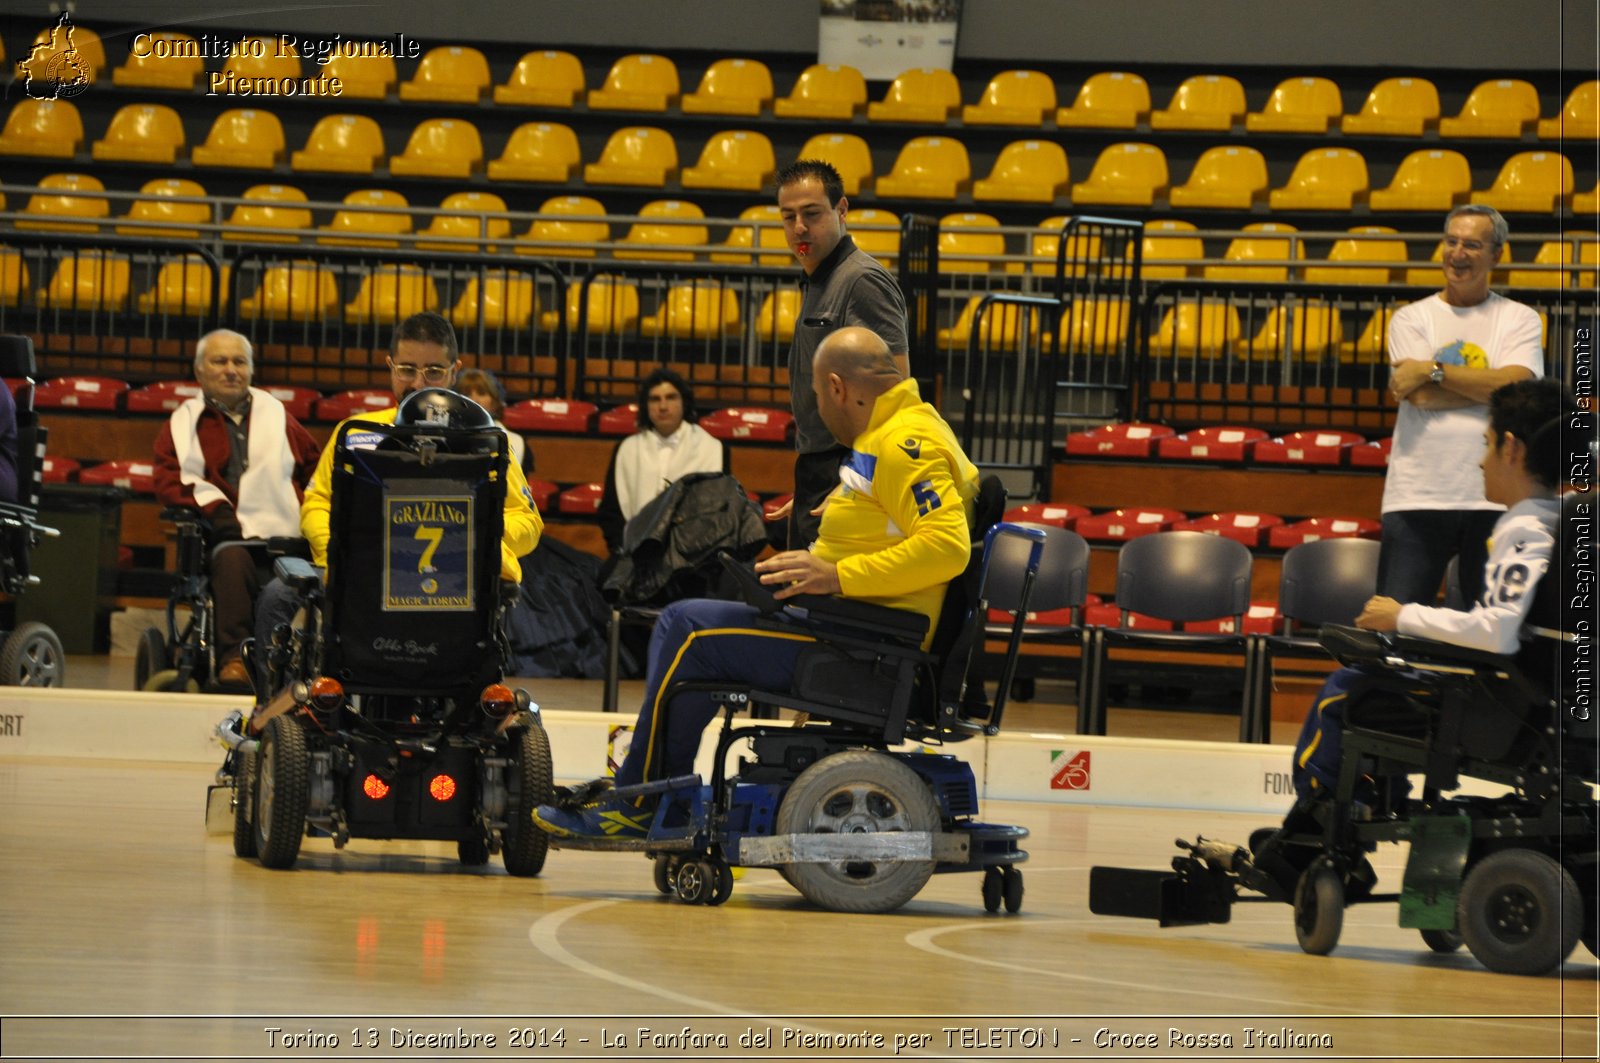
(897, 530)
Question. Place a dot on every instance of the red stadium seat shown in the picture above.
(349, 403)
(755, 424)
(583, 500)
(1373, 455)
(550, 415)
(79, 392)
(1050, 617)
(1106, 614)
(543, 491)
(1210, 444)
(1117, 440)
(1309, 531)
(1120, 525)
(137, 476)
(1247, 528)
(1307, 448)
(297, 400)
(619, 420)
(161, 397)
(1055, 514)
(1261, 619)
(59, 470)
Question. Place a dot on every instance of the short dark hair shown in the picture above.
(426, 327)
(1536, 412)
(800, 169)
(663, 375)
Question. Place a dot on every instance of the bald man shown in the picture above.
(895, 533)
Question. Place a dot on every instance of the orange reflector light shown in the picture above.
(326, 693)
(498, 700)
(374, 787)
(441, 788)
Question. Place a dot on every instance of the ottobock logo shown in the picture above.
(1069, 772)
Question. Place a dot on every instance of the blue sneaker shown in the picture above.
(608, 818)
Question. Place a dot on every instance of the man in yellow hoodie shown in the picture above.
(895, 533)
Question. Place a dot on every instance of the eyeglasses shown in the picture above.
(433, 374)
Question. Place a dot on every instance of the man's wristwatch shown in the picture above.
(1437, 376)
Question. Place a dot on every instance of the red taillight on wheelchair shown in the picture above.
(325, 693)
(374, 788)
(441, 788)
(498, 701)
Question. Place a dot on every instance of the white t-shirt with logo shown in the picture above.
(1435, 455)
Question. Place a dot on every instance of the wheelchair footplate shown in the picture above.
(680, 823)
(1200, 889)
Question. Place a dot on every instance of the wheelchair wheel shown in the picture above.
(525, 845)
(858, 791)
(282, 790)
(472, 852)
(244, 789)
(31, 656)
(1319, 909)
(993, 886)
(722, 888)
(1011, 888)
(149, 658)
(697, 882)
(1442, 940)
(1520, 912)
(663, 873)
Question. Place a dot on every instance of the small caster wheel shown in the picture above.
(723, 888)
(696, 882)
(1442, 940)
(1011, 888)
(992, 887)
(663, 874)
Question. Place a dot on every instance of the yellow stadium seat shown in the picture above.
(824, 90)
(263, 212)
(1530, 181)
(538, 151)
(1298, 105)
(1027, 171)
(1304, 332)
(440, 147)
(1111, 99)
(542, 79)
(1095, 326)
(1433, 179)
(66, 199)
(694, 311)
(394, 219)
(1396, 107)
(89, 280)
(341, 143)
(612, 307)
(484, 218)
(392, 293)
(50, 129)
(14, 278)
(637, 83)
(1168, 257)
(182, 288)
(1556, 253)
(164, 60)
(1205, 101)
(161, 208)
(1498, 108)
(86, 42)
(1124, 175)
(1231, 178)
(1324, 179)
(244, 138)
(1207, 329)
(506, 299)
(674, 230)
(964, 251)
(1429, 277)
(738, 159)
(877, 232)
(261, 57)
(847, 153)
(635, 155)
(1351, 250)
(1013, 97)
(295, 291)
(1588, 255)
(731, 86)
(1000, 331)
(1043, 245)
(363, 77)
(1372, 345)
(922, 94)
(1257, 248)
(767, 235)
(556, 232)
(450, 73)
(779, 311)
(1587, 202)
(141, 132)
(927, 168)
(1579, 118)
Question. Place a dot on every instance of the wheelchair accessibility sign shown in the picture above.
(428, 553)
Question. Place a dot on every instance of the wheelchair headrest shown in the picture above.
(16, 356)
(442, 408)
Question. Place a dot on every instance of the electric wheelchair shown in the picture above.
(395, 722)
(30, 652)
(850, 824)
(1512, 876)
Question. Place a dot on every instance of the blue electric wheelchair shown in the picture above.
(1516, 877)
(395, 723)
(30, 652)
(852, 826)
